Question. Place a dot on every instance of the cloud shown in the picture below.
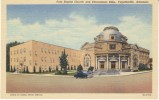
(75, 30)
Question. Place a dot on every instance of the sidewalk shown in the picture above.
(121, 74)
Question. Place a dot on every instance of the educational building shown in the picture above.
(109, 50)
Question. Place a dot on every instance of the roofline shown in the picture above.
(46, 43)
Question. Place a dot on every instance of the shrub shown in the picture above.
(34, 69)
(71, 68)
(74, 67)
(91, 68)
(11, 70)
(24, 71)
(14, 69)
(58, 73)
(39, 69)
(68, 68)
(27, 70)
(49, 69)
(143, 67)
(80, 68)
(56, 68)
(135, 70)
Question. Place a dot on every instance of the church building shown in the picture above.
(110, 50)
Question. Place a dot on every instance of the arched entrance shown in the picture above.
(113, 65)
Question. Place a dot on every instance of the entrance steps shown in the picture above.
(106, 72)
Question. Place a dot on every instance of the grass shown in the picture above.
(71, 74)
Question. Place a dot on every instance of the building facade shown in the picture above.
(109, 50)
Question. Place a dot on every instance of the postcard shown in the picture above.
(86, 49)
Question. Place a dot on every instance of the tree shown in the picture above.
(27, 70)
(34, 69)
(14, 69)
(68, 68)
(39, 69)
(24, 71)
(11, 44)
(64, 61)
(150, 66)
(80, 68)
(11, 69)
(74, 67)
(49, 69)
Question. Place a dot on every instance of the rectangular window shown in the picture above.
(24, 59)
(35, 53)
(42, 50)
(42, 59)
(20, 51)
(112, 46)
(30, 62)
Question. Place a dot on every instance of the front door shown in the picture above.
(113, 65)
(123, 65)
(102, 65)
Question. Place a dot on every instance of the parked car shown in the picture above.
(80, 74)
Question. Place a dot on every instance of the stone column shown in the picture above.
(98, 66)
(126, 65)
(116, 65)
(119, 62)
(107, 62)
(96, 63)
(128, 62)
(121, 65)
(105, 67)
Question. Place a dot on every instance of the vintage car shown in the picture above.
(80, 74)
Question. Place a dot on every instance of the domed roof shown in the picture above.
(111, 27)
(112, 31)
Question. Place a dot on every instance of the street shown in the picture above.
(137, 83)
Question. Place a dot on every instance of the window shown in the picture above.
(20, 51)
(36, 62)
(24, 59)
(35, 53)
(24, 50)
(112, 37)
(112, 46)
(17, 51)
(30, 53)
(87, 60)
(42, 50)
(50, 60)
(42, 59)
(30, 62)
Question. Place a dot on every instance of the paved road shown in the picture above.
(138, 83)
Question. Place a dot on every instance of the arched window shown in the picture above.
(87, 61)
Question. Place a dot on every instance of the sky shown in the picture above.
(73, 25)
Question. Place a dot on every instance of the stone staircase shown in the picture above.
(106, 72)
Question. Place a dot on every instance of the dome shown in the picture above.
(112, 31)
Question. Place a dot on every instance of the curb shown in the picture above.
(134, 73)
